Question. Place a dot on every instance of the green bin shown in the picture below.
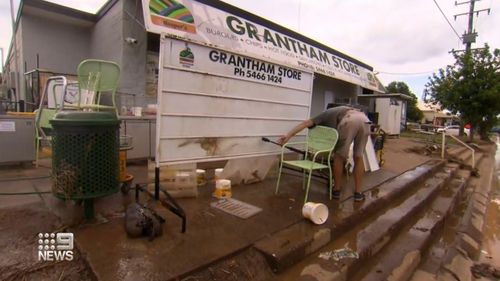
(85, 155)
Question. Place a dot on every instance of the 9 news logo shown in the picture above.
(55, 246)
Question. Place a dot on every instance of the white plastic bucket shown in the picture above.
(315, 212)
(137, 110)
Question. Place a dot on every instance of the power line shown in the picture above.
(442, 13)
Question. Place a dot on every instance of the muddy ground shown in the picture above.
(19, 227)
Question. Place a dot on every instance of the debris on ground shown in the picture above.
(473, 171)
(422, 229)
(339, 254)
(427, 150)
(238, 268)
(143, 221)
(485, 270)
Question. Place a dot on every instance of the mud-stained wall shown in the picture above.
(218, 105)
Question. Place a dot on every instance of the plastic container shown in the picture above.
(123, 165)
(137, 111)
(222, 188)
(125, 141)
(315, 212)
(185, 179)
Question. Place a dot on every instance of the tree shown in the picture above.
(413, 113)
(470, 88)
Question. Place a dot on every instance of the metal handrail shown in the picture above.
(461, 142)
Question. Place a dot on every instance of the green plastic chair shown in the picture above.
(320, 141)
(95, 79)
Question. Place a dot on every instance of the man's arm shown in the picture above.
(301, 126)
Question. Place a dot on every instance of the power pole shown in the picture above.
(470, 36)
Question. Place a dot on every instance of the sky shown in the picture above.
(403, 40)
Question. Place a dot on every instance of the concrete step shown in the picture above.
(462, 247)
(399, 260)
(456, 150)
(433, 258)
(351, 223)
(466, 158)
(463, 156)
(371, 234)
(293, 244)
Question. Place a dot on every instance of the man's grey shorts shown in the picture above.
(355, 126)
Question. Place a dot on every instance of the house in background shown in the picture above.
(53, 39)
(434, 115)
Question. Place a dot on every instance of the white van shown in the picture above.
(453, 130)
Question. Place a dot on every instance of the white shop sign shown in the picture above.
(234, 66)
(210, 108)
(197, 22)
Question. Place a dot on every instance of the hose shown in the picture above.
(24, 193)
(25, 178)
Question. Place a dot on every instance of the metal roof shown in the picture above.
(386, 96)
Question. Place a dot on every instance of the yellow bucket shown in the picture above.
(123, 165)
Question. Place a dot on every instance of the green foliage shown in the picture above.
(412, 112)
(470, 88)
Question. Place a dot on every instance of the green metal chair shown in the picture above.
(42, 129)
(44, 114)
(320, 141)
(96, 78)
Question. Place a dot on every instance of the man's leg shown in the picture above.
(346, 135)
(338, 169)
(360, 140)
(359, 170)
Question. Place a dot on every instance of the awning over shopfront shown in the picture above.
(220, 25)
(385, 96)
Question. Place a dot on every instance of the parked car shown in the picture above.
(453, 130)
(495, 129)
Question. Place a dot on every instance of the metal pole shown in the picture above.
(443, 144)
(157, 183)
(14, 53)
